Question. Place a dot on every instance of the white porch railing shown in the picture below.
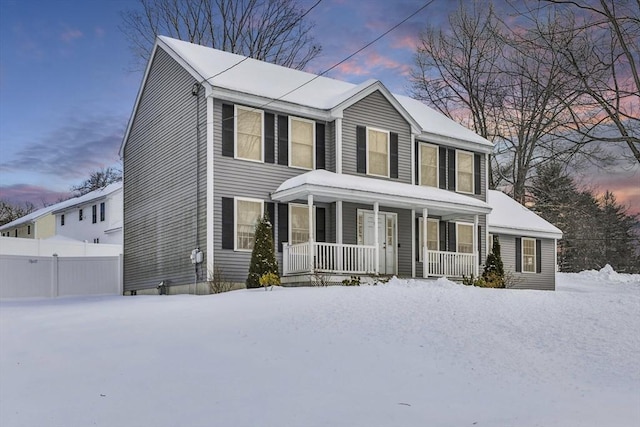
(329, 258)
(450, 264)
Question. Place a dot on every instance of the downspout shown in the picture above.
(195, 91)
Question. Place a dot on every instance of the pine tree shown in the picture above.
(493, 273)
(263, 257)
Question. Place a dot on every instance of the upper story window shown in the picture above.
(377, 152)
(62, 219)
(102, 211)
(247, 213)
(528, 255)
(80, 216)
(464, 168)
(249, 131)
(94, 214)
(428, 165)
(464, 238)
(302, 143)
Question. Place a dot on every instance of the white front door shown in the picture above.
(387, 223)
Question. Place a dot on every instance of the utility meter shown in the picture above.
(196, 256)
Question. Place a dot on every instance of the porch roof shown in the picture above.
(329, 187)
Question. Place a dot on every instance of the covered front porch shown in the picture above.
(383, 228)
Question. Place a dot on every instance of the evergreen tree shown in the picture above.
(494, 268)
(263, 257)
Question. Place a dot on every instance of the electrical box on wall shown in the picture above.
(196, 256)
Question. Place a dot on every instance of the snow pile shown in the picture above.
(599, 281)
(406, 353)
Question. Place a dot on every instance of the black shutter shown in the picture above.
(270, 211)
(227, 223)
(227, 130)
(417, 238)
(476, 173)
(451, 169)
(443, 236)
(320, 144)
(269, 138)
(518, 254)
(480, 244)
(451, 237)
(442, 166)
(538, 256)
(283, 224)
(361, 149)
(393, 157)
(321, 233)
(283, 140)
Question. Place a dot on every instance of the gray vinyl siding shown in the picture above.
(542, 281)
(349, 233)
(375, 111)
(160, 196)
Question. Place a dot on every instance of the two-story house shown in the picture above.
(39, 224)
(356, 180)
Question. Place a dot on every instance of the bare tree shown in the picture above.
(269, 30)
(98, 179)
(11, 211)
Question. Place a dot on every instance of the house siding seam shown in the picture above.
(542, 281)
(160, 175)
(376, 111)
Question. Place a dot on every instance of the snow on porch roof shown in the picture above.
(329, 186)
(510, 217)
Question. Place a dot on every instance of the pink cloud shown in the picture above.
(371, 65)
(39, 196)
(70, 35)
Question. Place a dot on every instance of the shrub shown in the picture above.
(218, 283)
(263, 257)
(493, 273)
(352, 281)
(269, 279)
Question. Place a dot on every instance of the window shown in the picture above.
(248, 211)
(433, 236)
(302, 142)
(94, 214)
(96, 240)
(249, 134)
(299, 223)
(15, 232)
(464, 233)
(377, 152)
(62, 219)
(80, 215)
(102, 209)
(464, 168)
(428, 165)
(528, 255)
(28, 229)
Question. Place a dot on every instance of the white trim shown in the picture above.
(338, 125)
(313, 142)
(486, 176)
(413, 243)
(237, 107)
(388, 133)
(468, 224)
(413, 160)
(235, 219)
(210, 188)
(518, 232)
(339, 221)
(428, 144)
(535, 255)
(472, 172)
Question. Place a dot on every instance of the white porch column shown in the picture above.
(413, 243)
(555, 256)
(425, 255)
(475, 246)
(339, 261)
(311, 231)
(376, 240)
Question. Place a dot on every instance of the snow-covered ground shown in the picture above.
(407, 353)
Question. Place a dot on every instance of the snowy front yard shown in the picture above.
(401, 354)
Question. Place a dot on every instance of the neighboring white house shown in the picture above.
(95, 217)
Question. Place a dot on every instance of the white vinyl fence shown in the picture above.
(60, 247)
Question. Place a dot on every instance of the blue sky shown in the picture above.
(68, 85)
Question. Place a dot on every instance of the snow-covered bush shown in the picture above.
(263, 257)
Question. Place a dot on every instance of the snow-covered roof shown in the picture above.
(100, 193)
(222, 70)
(30, 218)
(510, 217)
(329, 186)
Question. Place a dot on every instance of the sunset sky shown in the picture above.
(67, 87)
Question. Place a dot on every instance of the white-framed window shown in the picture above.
(302, 143)
(299, 223)
(433, 235)
(80, 215)
(464, 238)
(528, 255)
(247, 212)
(428, 165)
(249, 131)
(62, 219)
(464, 170)
(378, 152)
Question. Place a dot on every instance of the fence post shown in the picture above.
(54, 276)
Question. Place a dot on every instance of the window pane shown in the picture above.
(299, 224)
(433, 241)
(378, 153)
(529, 255)
(301, 144)
(428, 165)
(247, 215)
(465, 172)
(249, 134)
(465, 238)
